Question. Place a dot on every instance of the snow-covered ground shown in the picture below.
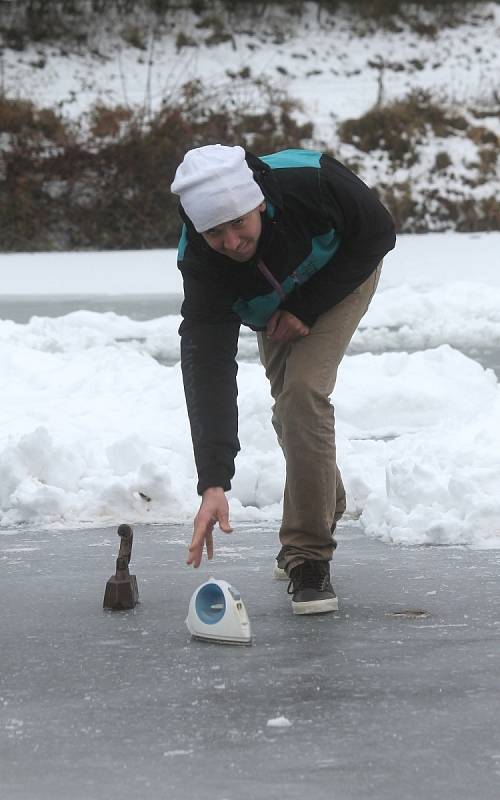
(336, 65)
(329, 62)
(93, 427)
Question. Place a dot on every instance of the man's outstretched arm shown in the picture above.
(209, 343)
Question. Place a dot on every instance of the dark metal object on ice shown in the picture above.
(121, 589)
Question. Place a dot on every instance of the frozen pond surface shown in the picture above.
(137, 307)
(98, 704)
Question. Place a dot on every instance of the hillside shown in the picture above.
(409, 100)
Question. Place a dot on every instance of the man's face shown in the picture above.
(237, 239)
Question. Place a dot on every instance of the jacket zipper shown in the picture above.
(271, 279)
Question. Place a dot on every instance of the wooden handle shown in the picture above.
(127, 536)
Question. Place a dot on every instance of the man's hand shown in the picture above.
(214, 508)
(285, 327)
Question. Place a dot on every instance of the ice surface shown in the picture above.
(385, 703)
(117, 272)
(93, 426)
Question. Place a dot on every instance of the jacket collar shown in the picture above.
(264, 176)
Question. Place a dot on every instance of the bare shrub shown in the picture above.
(399, 126)
(23, 121)
(488, 161)
(442, 161)
(439, 212)
(107, 122)
(469, 214)
(134, 36)
(107, 185)
(182, 40)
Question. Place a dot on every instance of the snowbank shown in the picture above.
(93, 427)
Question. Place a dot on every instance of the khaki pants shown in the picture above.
(302, 375)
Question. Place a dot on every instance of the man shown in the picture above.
(290, 244)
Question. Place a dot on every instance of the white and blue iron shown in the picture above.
(217, 614)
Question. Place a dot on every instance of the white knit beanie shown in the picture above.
(215, 185)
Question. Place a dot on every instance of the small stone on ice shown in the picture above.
(278, 722)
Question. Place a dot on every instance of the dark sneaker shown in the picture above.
(311, 590)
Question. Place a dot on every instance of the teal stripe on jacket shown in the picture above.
(258, 311)
(181, 247)
(293, 158)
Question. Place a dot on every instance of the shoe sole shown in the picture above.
(316, 606)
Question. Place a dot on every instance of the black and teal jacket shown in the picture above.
(323, 233)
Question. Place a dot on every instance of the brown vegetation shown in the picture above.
(107, 186)
(26, 21)
(103, 182)
(398, 127)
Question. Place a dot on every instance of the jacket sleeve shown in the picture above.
(209, 343)
(366, 232)
(333, 283)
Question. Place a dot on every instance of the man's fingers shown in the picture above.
(224, 524)
(283, 330)
(202, 529)
(272, 324)
(194, 556)
(195, 550)
(209, 541)
(203, 537)
(289, 328)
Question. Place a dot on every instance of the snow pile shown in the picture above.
(461, 313)
(94, 430)
(85, 330)
(99, 433)
(420, 455)
(86, 437)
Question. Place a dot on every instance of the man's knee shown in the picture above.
(299, 397)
